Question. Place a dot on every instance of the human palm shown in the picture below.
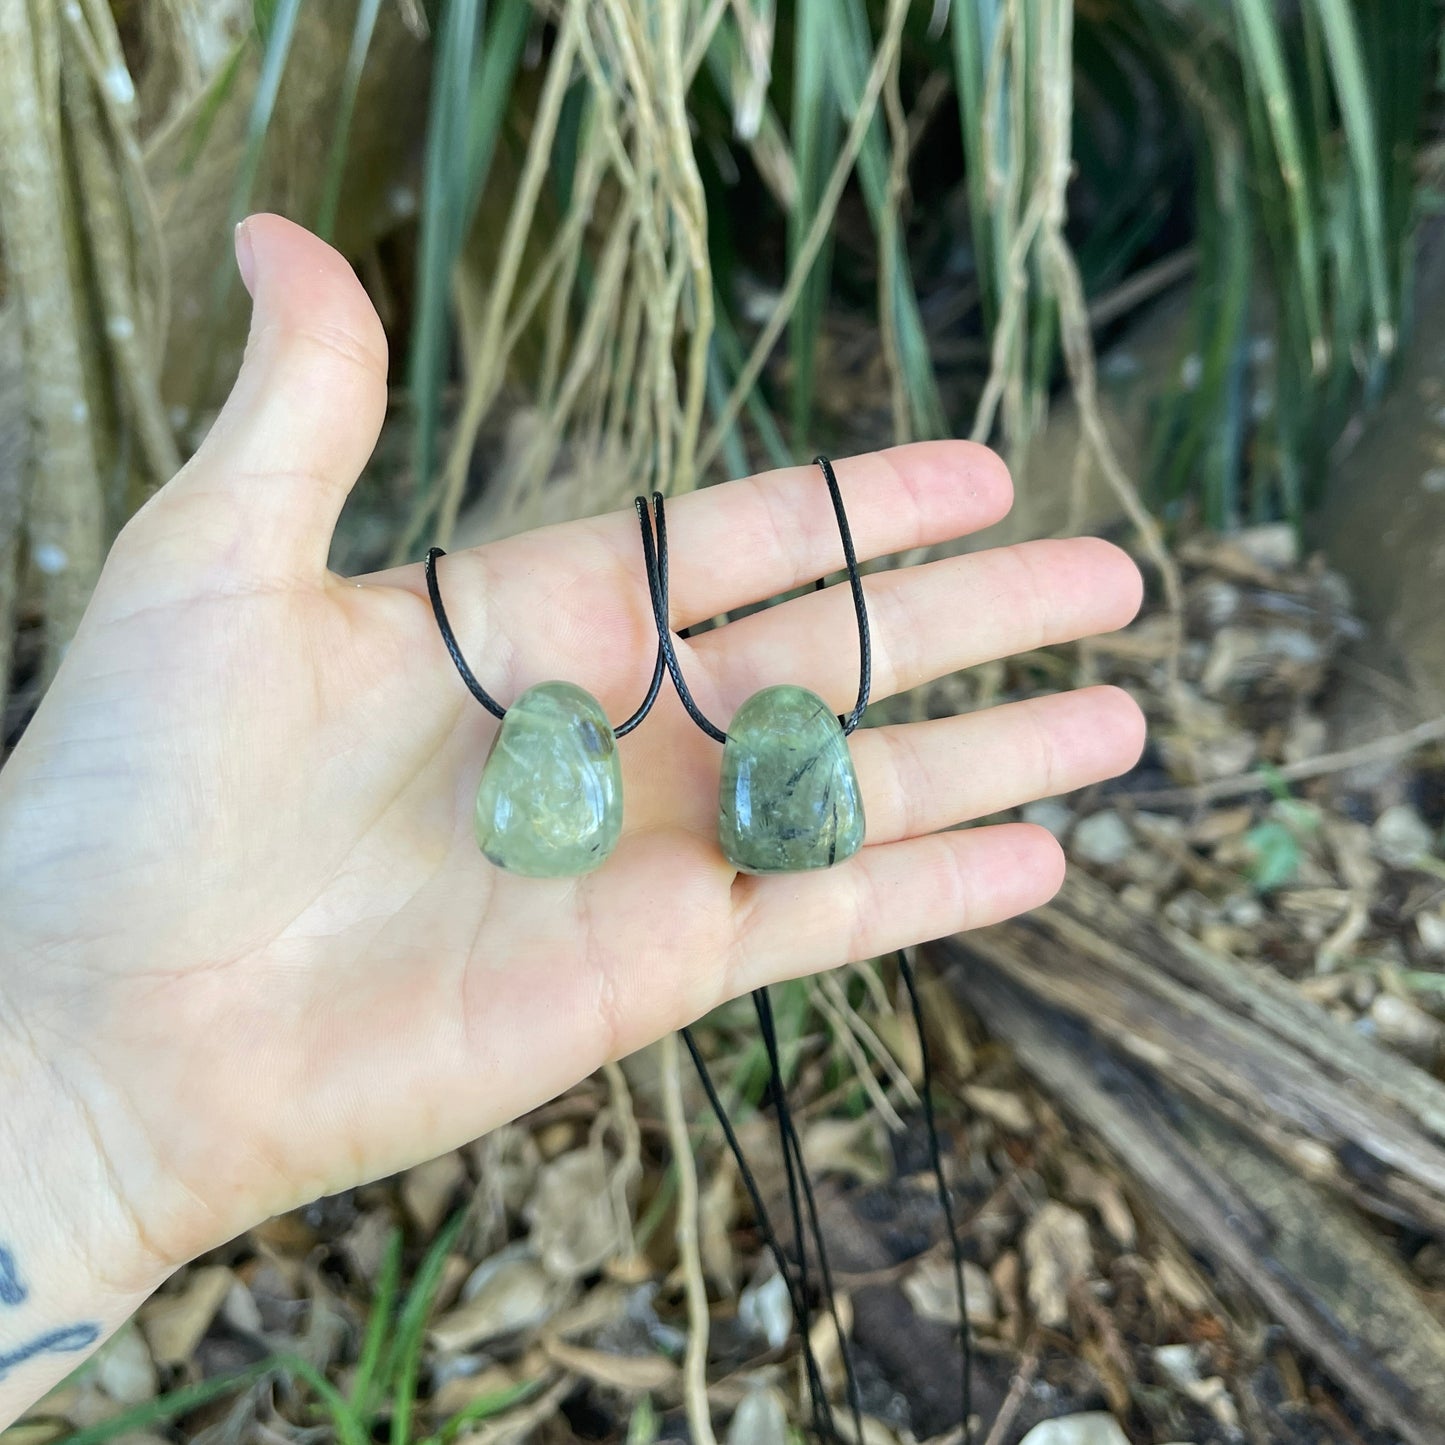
(245, 917)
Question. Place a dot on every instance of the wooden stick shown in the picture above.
(1258, 1125)
(1377, 750)
(64, 514)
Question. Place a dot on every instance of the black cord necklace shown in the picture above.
(439, 611)
(802, 1201)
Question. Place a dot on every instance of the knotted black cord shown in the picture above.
(793, 1160)
(822, 1409)
(657, 574)
(945, 1199)
(860, 605)
(434, 591)
(655, 556)
(800, 1190)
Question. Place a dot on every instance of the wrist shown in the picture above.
(74, 1261)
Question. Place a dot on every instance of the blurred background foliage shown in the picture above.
(1160, 251)
(620, 244)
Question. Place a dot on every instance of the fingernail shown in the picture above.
(246, 257)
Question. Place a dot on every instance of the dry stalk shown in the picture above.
(627, 1172)
(837, 1016)
(127, 342)
(889, 246)
(14, 468)
(1055, 113)
(485, 382)
(694, 1371)
(1377, 750)
(613, 387)
(65, 506)
(817, 233)
(872, 1046)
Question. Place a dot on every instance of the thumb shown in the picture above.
(263, 492)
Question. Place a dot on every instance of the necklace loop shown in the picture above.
(439, 611)
(655, 555)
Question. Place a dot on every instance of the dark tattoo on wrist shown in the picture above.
(63, 1341)
(12, 1291)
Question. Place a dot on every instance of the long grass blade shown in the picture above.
(278, 29)
(853, 51)
(378, 1326)
(166, 1408)
(349, 1429)
(405, 1364)
(484, 1407)
(444, 204)
(1357, 112)
(972, 29)
(1262, 55)
(815, 131)
(366, 13)
(492, 91)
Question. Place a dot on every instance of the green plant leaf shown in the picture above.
(443, 203)
(366, 13)
(1262, 53)
(484, 1407)
(1357, 113)
(166, 1408)
(378, 1326)
(853, 54)
(644, 1426)
(349, 1429)
(817, 139)
(405, 1360)
(278, 31)
(469, 100)
(1275, 855)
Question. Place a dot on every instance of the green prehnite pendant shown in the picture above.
(790, 798)
(550, 801)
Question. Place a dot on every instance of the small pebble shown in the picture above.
(1103, 839)
(1401, 1023)
(1217, 601)
(1244, 910)
(1188, 910)
(1049, 813)
(1274, 545)
(1431, 929)
(1401, 836)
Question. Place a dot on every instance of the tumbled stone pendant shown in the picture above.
(550, 800)
(790, 798)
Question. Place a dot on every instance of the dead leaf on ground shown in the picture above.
(634, 1373)
(574, 1226)
(123, 1367)
(174, 1324)
(761, 1418)
(1057, 1255)
(1006, 1109)
(1093, 1428)
(932, 1290)
(510, 1292)
(427, 1191)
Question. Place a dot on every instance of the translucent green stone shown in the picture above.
(550, 801)
(790, 797)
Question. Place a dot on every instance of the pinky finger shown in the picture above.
(890, 897)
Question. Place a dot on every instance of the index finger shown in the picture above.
(745, 541)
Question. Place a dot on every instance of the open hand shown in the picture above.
(248, 936)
